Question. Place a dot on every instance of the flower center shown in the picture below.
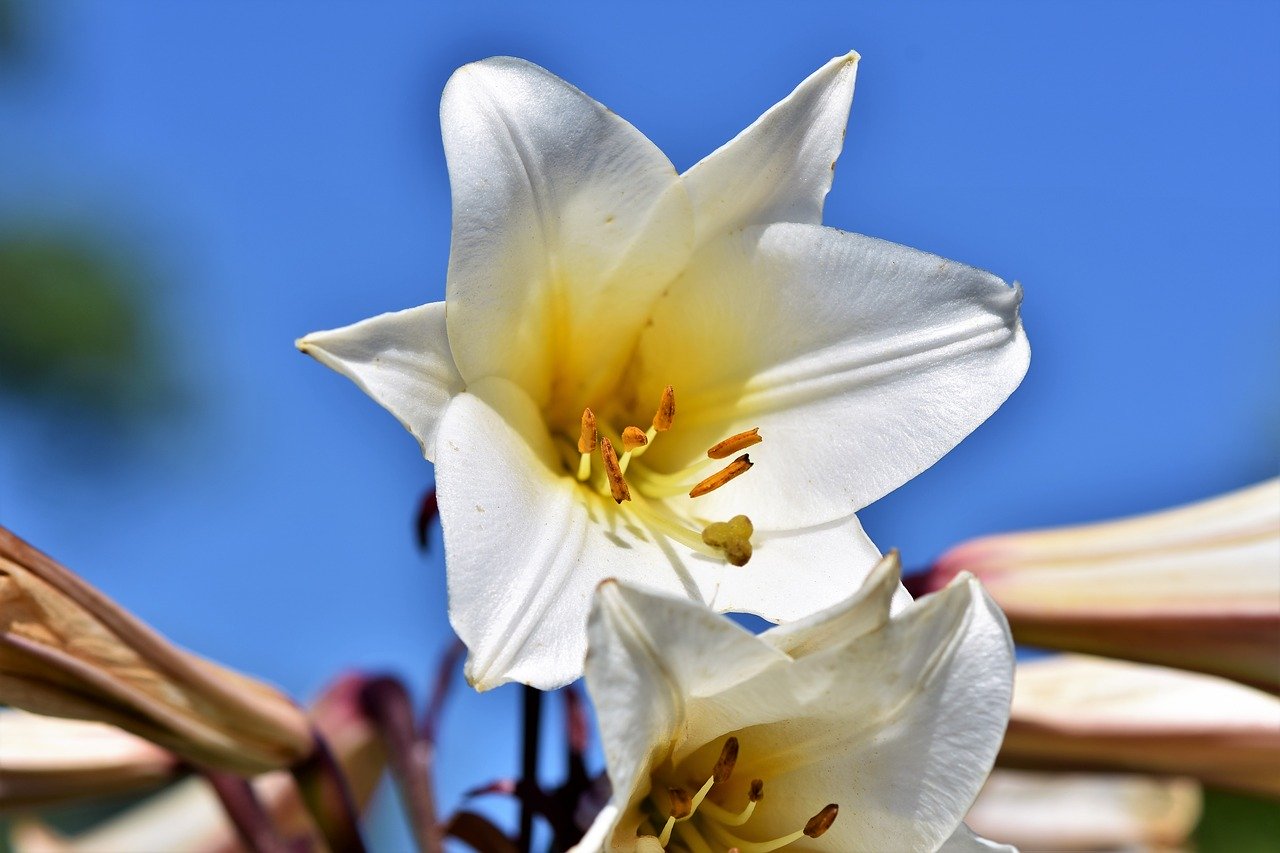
(642, 491)
(697, 823)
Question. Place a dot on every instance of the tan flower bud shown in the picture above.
(47, 761)
(66, 650)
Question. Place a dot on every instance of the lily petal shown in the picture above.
(792, 572)
(862, 363)
(1195, 587)
(860, 614)
(1086, 713)
(662, 649)
(903, 723)
(861, 722)
(1083, 811)
(964, 841)
(401, 360)
(505, 502)
(780, 168)
(567, 223)
(526, 546)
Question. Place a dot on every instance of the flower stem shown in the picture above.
(240, 802)
(532, 707)
(328, 798)
(386, 702)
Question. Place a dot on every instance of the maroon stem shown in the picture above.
(253, 825)
(387, 705)
(328, 798)
(532, 724)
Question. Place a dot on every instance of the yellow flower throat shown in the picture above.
(730, 539)
(696, 823)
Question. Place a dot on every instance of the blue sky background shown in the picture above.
(276, 168)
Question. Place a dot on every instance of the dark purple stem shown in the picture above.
(328, 798)
(252, 823)
(387, 704)
(532, 705)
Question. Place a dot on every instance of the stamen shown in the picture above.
(587, 437)
(732, 538)
(691, 838)
(681, 803)
(728, 818)
(736, 468)
(821, 822)
(702, 794)
(734, 443)
(617, 485)
(633, 442)
(586, 444)
(657, 516)
(814, 828)
(725, 763)
(666, 413)
(633, 437)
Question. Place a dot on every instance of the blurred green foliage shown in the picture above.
(75, 330)
(1234, 823)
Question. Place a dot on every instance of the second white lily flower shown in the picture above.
(851, 730)
(592, 291)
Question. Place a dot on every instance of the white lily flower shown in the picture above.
(590, 287)
(850, 730)
(1196, 587)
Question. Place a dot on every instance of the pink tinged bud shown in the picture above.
(1076, 712)
(66, 650)
(1195, 587)
(1086, 811)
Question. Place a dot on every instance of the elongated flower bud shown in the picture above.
(1194, 587)
(66, 650)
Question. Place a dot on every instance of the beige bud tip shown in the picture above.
(681, 803)
(617, 484)
(633, 437)
(728, 758)
(736, 468)
(756, 793)
(821, 822)
(734, 443)
(666, 413)
(587, 438)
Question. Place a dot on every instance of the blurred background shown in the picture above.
(187, 188)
